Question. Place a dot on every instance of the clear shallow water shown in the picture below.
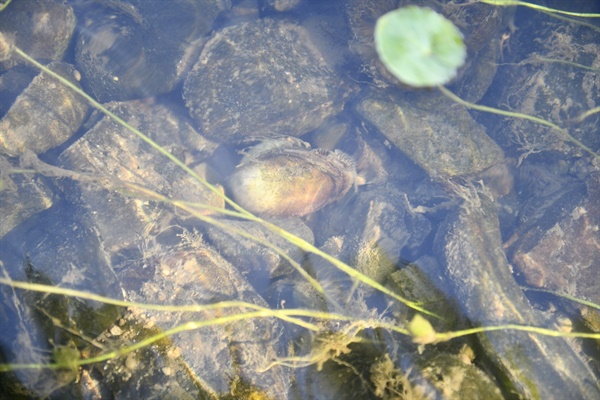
(65, 239)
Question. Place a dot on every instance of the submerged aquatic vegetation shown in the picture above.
(422, 49)
(328, 346)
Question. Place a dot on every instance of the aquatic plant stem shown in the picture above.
(3, 6)
(535, 59)
(346, 268)
(565, 296)
(36, 287)
(123, 123)
(586, 114)
(445, 336)
(135, 190)
(243, 213)
(573, 21)
(511, 114)
(290, 315)
(510, 3)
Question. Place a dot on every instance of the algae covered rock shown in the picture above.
(468, 245)
(381, 228)
(436, 133)
(45, 115)
(21, 197)
(109, 151)
(480, 24)
(262, 78)
(208, 359)
(557, 249)
(435, 375)
(135, 49)
(554, 76)
(41, 28)
(279, 5)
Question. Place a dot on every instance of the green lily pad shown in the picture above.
(419, 46)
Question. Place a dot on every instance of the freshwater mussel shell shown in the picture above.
(280, 180)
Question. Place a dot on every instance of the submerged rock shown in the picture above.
(41, 28)
(552, 74)
(436, 133)
(558, 249)
(279, 5)
(205, 360)
(263, 78)
(45, 115)
(21, 196)
(122, 161)
(470, 248)
(481, 25)
(134, 49)
(377, 226)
